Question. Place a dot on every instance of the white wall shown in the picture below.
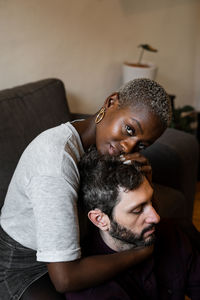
(197, 63)
(84, 42)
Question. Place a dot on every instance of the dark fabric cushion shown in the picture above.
(170, 202)
(174, 158)
(166, 164)
(26, 111)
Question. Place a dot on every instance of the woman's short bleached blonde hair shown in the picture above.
(147, 93)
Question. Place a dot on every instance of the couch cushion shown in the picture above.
(26, 111)
(170, 202)
(166, 164)
(174, 158)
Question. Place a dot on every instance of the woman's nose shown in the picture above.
(128, 145)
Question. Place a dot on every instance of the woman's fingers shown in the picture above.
(147, 170)
(128, 159)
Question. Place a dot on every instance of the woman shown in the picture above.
(39, 222)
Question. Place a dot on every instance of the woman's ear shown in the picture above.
(99, 219)
(112, 100)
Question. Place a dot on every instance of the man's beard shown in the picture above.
(128, 237)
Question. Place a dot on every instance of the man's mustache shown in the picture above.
(148, 228)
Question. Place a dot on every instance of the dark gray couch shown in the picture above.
(27, 110)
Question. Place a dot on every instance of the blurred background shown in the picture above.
(85, 42)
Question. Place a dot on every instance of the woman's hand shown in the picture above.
(137, 156)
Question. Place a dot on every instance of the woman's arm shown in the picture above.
(93, 270)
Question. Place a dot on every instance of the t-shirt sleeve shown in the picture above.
(54, 203)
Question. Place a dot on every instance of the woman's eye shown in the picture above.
(130, 130)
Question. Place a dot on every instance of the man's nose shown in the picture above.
(153, 216)
(128, 145)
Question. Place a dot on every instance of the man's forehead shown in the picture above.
(136, 196)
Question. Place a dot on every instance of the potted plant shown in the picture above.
(140, 69)
(185, 118)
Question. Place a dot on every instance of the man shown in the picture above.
(119, 202)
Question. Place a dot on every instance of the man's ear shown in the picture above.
(99, 219)
(112, 100)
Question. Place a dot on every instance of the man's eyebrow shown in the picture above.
(137, 205)
(142, 203)
(138, 123)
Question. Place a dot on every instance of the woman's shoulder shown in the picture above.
(46, 154)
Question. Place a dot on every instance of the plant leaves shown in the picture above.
(148, 47)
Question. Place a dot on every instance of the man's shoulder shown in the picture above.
(167, 232)
(180, 230)
(176, 239)
(93, 244)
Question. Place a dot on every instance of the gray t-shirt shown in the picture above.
(40, 209)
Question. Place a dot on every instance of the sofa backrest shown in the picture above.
(26, 111)
(174, 159)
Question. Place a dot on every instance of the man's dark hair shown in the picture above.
(101, 178)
